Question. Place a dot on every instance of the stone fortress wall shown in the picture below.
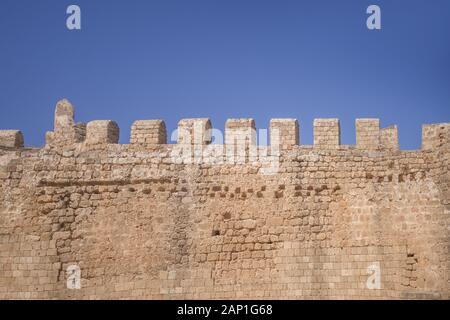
(195, 220)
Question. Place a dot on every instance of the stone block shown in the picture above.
(368, 134)
(284, 133)
(194, 131)
(435, 136)
(102, 132)
(148, 132)
(327, 133)
(65, 131)
(11, 139)
(389, 138)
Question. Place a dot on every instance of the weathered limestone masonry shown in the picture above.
(141, 223)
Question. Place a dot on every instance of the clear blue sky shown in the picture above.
(174, 59)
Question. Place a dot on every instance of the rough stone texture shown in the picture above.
(284, 133)
(240, 140)
(11, 138)
(435, 135)
(65, 131)
(148, 132)
(327, 133)
(389, 138)
(139, 225)
(368, 134)
(194, 131)
(240, 130)
(101, 132)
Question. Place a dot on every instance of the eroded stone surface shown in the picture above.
(139, 225)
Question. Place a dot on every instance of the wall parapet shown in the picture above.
(11, 139)
(435, 136)
(89, 218)
(148, 132)
(65, 130)
(194, 131)
(102, 132)
(327, 133)
(369, 136)
(284, 134)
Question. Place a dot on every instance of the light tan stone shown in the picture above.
(140, 224)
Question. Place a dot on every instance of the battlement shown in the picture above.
(65, 130)
(239, 133)
(11, 138)
(327, 133)
(102, 132)
(223, 215)
(194, 131)
(284, 133)
(435, 136)
(148, 132)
